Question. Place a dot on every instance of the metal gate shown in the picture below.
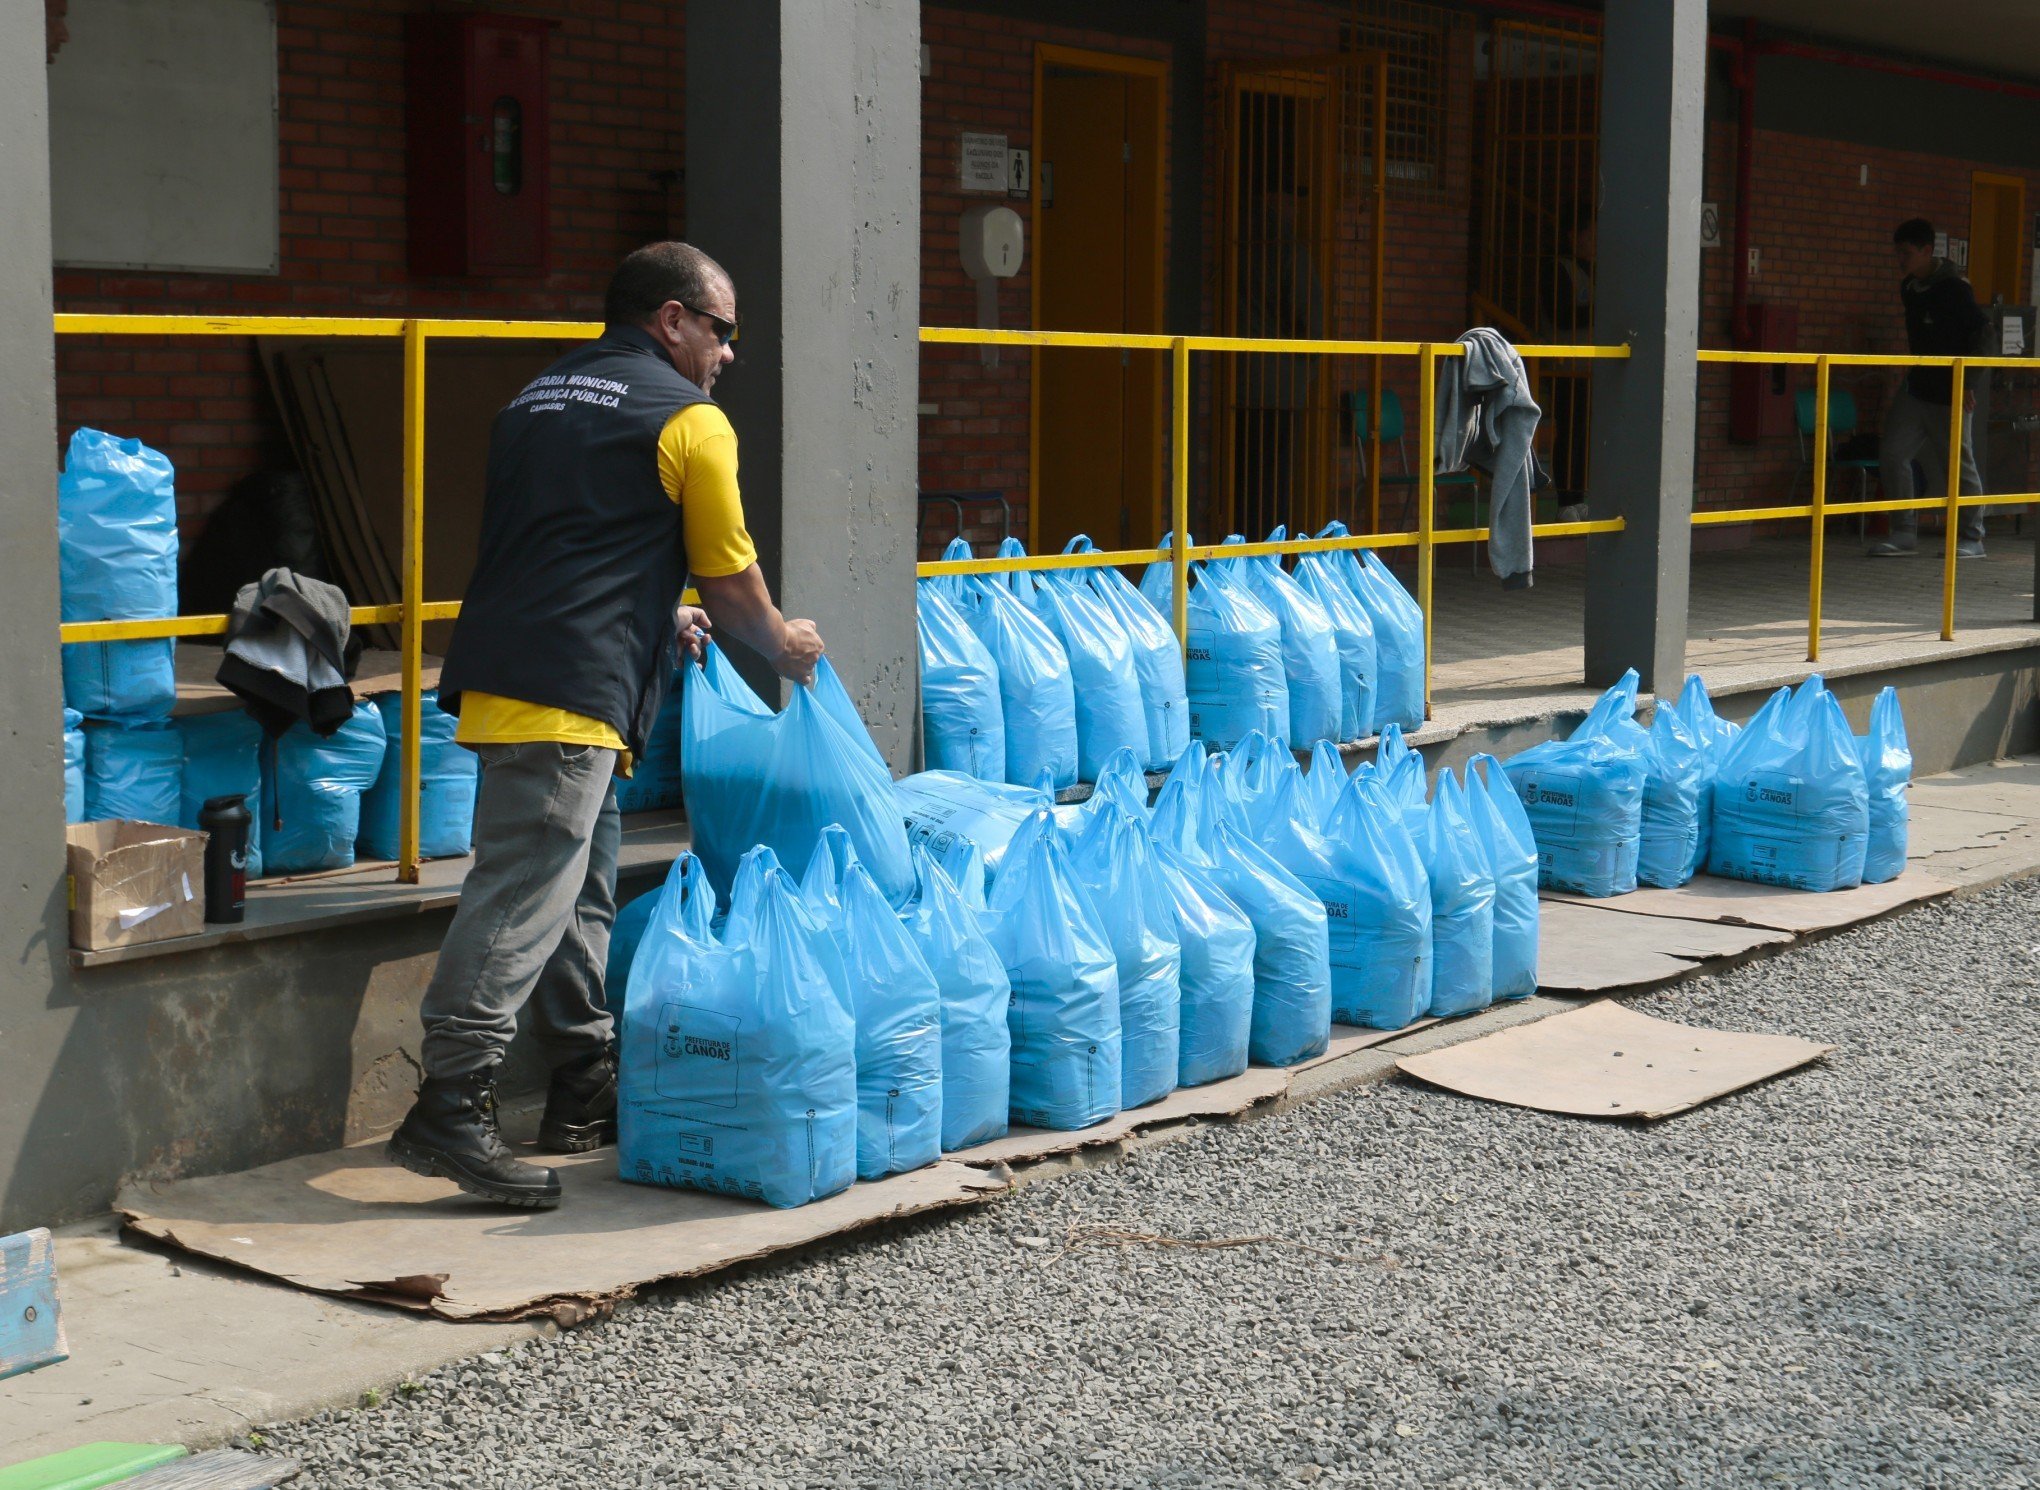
(1534, 268)
(1297, 184)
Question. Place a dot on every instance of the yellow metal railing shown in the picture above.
(1819, 510)
(1180, 555)
(412, 612)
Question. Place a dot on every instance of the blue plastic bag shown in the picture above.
(1064, 1014)
(977, 1045)
(1233, 668)
(74, 766)
(1401, 771)
(633, 917)
(1462, 906)
(448, 776)
(1323, 783)
(1036, 694)
(1310, 648)
(951, 815)
(1157, 660)
(752, 776)
(1217, 1015)
(312, 798)
(1353, 629)
(1584, 799)
(1504, 831)
(133, 771)
(1714, 734)
(1674, 770)
(963, 723)
(1292, 947)
(1887, 769)
(1792, 803)
(738, 1071)
(896, 1006)
(654, 781)
(1252, 772)
(1110, 715)
(1398, 633)
(1114, 862)
(223, 758)
(1123, 786)
(1364, 871)
(117, 561)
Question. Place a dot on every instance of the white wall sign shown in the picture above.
(163, 136)
(983, 162)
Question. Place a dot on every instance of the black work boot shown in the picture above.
(451, 1132)
(580, 1106)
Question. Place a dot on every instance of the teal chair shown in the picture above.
(1841, 425)
(1360, 403)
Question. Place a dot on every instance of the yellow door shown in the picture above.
(1097, 265)
(1997, 211)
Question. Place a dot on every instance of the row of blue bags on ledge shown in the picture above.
(1793, 799)
(1032, 677)
(316, 803)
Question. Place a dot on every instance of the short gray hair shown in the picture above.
(650, 276)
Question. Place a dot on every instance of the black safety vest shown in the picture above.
(582, 556)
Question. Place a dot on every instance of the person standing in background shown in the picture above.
(1942, 319)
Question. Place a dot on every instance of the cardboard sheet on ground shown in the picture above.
(1586, 946)
(1607, 1060)
(1737, 903)
(1218, 1099)
(351, 1223)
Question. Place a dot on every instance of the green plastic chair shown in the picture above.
(1360, 402)
(1841, 424)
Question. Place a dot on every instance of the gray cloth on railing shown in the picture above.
(289, 652)
(1487, 418)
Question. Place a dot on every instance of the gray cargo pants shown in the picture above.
(1916, 431)
(534, 915)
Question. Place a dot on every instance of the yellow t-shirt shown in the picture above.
(698, 468)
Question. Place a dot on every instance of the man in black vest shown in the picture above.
(611, 478)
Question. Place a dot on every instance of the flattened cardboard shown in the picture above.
(1607, 1060)
(133, 882)
(1738, 903)
(1216, 1099)
(351, 1223)
(1588, 947)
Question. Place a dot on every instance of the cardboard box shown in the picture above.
(133, 883)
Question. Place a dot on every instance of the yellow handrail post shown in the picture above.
(1179, 489)
(1818, 572)
(1952, 527)
(413, 628)
(1427, 460)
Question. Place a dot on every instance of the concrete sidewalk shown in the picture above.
(166, 1347)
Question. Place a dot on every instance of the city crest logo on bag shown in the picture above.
(1535, 792)
(697, 1055)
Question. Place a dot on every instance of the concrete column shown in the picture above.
(1646, 293)
(35, 1006)
(803, 179)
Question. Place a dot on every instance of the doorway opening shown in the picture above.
(1098, 184)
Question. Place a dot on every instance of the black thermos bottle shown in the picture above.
(225, 821)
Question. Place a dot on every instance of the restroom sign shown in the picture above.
(984, 162)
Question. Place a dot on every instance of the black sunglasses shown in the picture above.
(725, 331)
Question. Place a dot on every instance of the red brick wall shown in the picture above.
(981, 80)
(1824, 240)
(616, 119)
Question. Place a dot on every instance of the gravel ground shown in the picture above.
(1828, 1280)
